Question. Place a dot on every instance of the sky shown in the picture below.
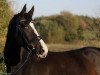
(50, 7)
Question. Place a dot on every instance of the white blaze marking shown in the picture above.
(44, 46)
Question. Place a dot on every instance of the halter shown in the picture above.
(28, 45)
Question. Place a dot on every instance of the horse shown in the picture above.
(26, 53)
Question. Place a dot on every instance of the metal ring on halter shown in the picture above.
(30, 47)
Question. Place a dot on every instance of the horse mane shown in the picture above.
(12, 48)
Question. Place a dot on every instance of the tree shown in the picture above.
(71, 24)
(5, 15)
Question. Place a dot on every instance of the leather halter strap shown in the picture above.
(29, 46)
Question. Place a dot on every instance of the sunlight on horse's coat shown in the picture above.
(44, 46)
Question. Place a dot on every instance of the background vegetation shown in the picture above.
(70, 31)
(5, 16)
(67, 27)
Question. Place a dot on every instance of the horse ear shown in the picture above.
(23, 10)
(31, 11)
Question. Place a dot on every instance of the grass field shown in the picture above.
(72, 45)
(68, 45)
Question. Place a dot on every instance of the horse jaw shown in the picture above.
(44, 46)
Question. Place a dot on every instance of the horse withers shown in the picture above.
(25, 52)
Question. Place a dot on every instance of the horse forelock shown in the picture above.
(44, 46)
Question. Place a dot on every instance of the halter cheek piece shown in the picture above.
(28, 45)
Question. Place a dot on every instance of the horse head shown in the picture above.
(22, 33)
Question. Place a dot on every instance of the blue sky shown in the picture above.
(50, 7)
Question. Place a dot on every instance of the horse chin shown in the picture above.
(43, 55)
